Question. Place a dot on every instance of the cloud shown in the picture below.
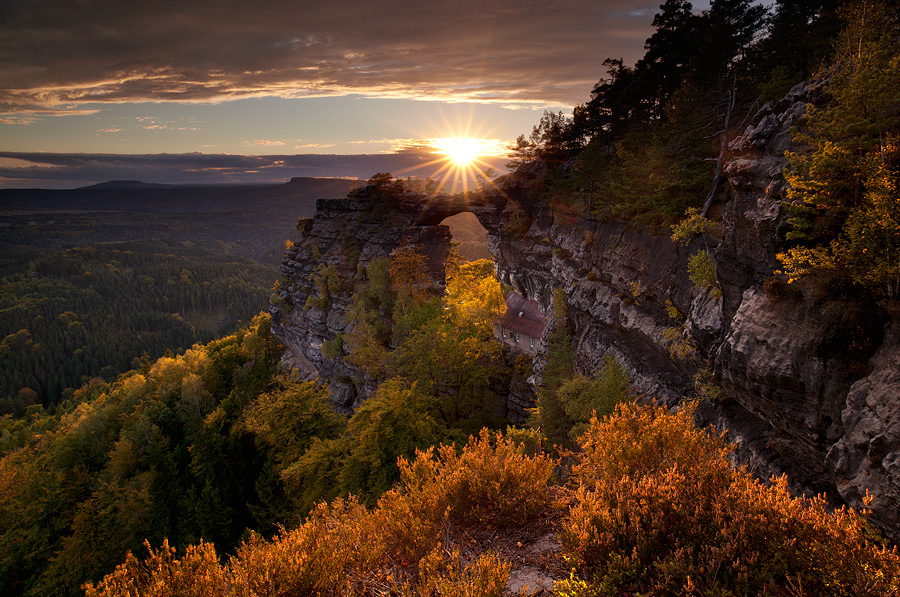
(67, 170)
(314, 146)
(514, 53)
(110, 130)
(265, 143)
(29, 116)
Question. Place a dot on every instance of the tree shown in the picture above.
(669, 52)
(583, 398)
(474, 296)
(451, 364)
(800, 35)
(409, 274)
(288, 418)
(549, 414)
(844, 192)
(393, 423)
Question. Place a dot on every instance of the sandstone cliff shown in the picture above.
(808, 382)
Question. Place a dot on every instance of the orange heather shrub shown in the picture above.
(345, 549)
(440, 573)
(198, 574)
(660, 510)
(492, 480)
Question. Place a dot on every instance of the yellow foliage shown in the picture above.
(801, 261)
(409, 273)
(197, 573)
(844, 192)
(475, 295)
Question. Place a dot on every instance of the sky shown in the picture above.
(227, 91)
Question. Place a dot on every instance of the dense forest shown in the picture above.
(97, 310)
(95, 280)
(242, 480)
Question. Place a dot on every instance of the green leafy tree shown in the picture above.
(584, 398)
(549, 414)
(393, 423)
(290, 417)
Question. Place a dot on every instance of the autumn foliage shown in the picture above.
(395, 548)
(844, 191)
(655, 507)
(661, 510)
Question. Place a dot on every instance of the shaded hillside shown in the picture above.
(252, 221)
(296, 197)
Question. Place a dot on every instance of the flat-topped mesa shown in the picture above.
(322, 267)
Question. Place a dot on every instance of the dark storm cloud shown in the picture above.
(67, 170)
(59, 53)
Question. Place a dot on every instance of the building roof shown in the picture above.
(523, 316)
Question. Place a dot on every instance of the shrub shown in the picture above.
(197, 573)
(443, 574)
(333, 349)
(681, 345)
(492, 480)
(702, 271)
(692, 226)
(345, 549)
(661, 510)
(674, 312)
(327, 283)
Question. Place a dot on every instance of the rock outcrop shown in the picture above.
(344, 237)
(805, 384)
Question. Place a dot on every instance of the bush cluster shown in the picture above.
(661, 510)
(345, 549)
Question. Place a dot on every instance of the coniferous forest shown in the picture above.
(153, 443)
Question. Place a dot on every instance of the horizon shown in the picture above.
(262, 94)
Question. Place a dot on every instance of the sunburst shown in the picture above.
(459, 159)
(463, 152)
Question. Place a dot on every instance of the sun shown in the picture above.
(462, 152)
(461, 158)
(461, 161)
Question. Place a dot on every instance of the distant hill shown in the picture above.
(296, 197)
(126, 184)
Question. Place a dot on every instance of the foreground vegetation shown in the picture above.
(655, 507)
(241, 481)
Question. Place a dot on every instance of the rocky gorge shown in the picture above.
(804, 382)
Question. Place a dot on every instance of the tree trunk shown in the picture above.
(723, 145)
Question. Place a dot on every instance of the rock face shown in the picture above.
(345, 236)
(808, 384)
(867, 455)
